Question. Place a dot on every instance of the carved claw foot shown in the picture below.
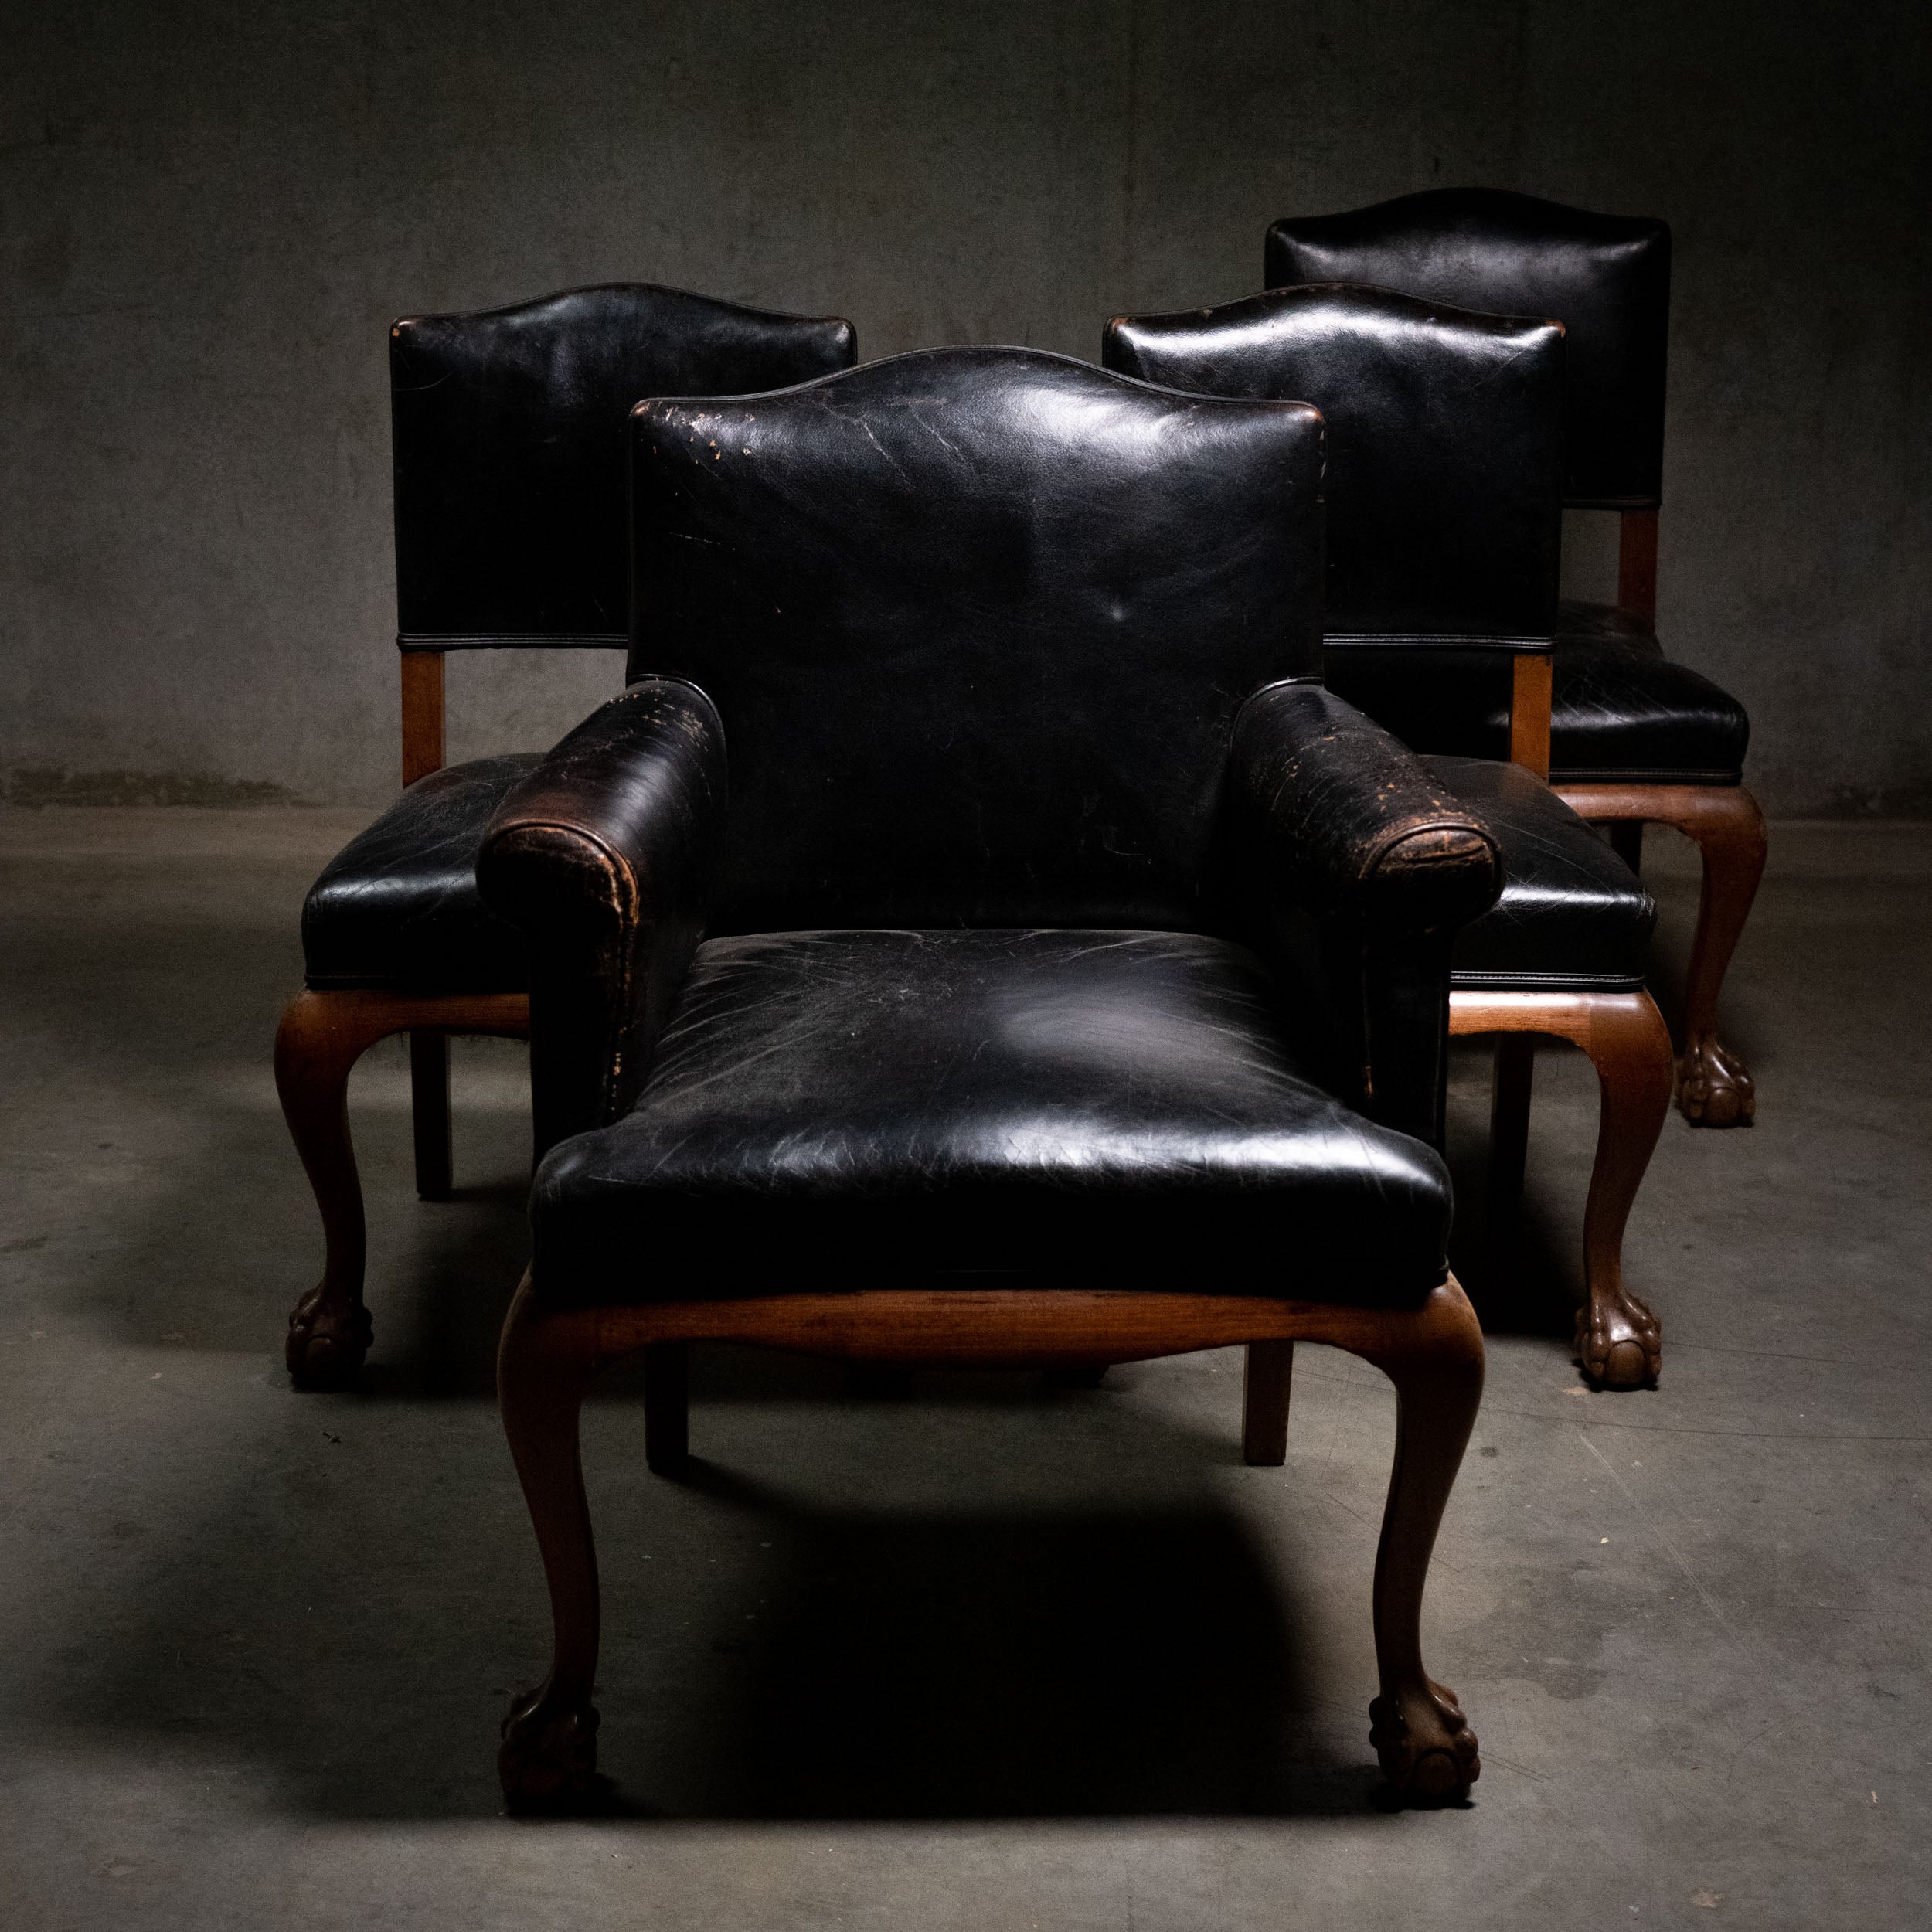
(1714, 1088)
(328, 1338)
(1428, 1752)
(548, 1761)
(1619, 1342)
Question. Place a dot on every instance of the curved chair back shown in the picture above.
(1444, 483)
(509, 448)
(978, 622)
(1605, 277)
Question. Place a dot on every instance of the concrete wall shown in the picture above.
(209, 213)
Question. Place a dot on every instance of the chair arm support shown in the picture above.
(603, 856)
(1356, 861)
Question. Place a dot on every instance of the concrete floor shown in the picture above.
(989, 1655)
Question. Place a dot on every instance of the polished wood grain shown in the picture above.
(1529, 699)
(1618, 1341)
(1714, 1086)
(549, 1355)
(1268, 1381)
(322, 1036)
(1637, 564)
(423, 749)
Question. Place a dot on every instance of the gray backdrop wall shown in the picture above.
(210, 212)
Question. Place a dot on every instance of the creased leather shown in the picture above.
(852, 1108)
(603, 856)
(1572, 916)
(1361, 867)
(1605, 277)
(1444, 481)
(509, 447)
(978, 622)
(1619, 708)
(398, 905)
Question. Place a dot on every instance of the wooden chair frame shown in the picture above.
(549, 1356)
(1714, 1088)
(322, 1035)
(1618, 1341)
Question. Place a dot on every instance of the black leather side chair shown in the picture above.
(1444, 507)
(510, 532)
(1636, 738)
(931, 1037)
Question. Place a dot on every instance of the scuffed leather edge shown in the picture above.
(1352, 814)
(1345, 833)
(603, 856)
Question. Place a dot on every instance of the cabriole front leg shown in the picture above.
(548, 1755)
(1619, 1342)
(1427, 1750)
(321, 1038)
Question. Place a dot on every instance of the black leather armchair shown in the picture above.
(973, 1062)
(510, 533)
(1637, 738)
(1444, 505)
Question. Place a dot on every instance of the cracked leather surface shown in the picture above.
(1619, 708)
(1572, 916)
(398, 905)
(979, 625)
(1605, 277)
(896, 1107)
(509, 446)
(978, 622)
(604, 853)
(1444, 481)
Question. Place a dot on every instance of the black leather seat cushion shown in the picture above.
(1619, 709)
(1572, 916)
(1078, 1108)
(398, 905)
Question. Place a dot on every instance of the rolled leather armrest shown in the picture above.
(1355, 867)
(603, 856)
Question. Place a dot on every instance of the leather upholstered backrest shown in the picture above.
(978, 622)
(1605, 277)
(509, 448)
(1444, 483)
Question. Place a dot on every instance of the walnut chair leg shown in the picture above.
(667, 1406)
(1427, 1750)
(548, 1759)
(1509, 1149)
(429, 1113)
(321, 1038)
(1714, 1088)
(1267, 1383)
(1619, 1341)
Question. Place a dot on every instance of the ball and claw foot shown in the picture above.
(1428, 1752)
(1714, 1088)
(1619, 1343)
(327, 1339)
(548, 1761)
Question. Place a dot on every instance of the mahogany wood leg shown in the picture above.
(1508, 1149)
(1265, 1386)
(667, 1406)
(1427, 1749)
(322, 1036)
(548, 1759)
(1714, 1088)
(1619, 1341)
(429, 1113)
